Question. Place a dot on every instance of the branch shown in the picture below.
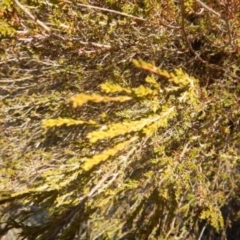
(111, 11)
(208, 8)
(97, 45)
(25, 10)
(97, 189)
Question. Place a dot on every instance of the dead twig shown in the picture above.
(111, 11)
(208, 8)
(97, 45)
(25, 10)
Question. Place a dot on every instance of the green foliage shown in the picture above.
(106, 146)
(63, 121)
(6, 5)
(6, 30)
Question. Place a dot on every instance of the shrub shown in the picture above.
(104, 145)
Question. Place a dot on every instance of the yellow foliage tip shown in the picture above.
(178, 77)
(82, 98)
(114, 88)
(151, 68)
(140, 91)
(151, 79)
(95, 160)
(48, 123)
(122, 128)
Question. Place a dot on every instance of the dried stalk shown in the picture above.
(208, 8)
(25, 10)
(111, 11)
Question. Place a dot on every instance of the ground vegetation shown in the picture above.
(120, 119)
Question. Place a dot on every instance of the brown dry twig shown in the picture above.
(205, 6)
(111, 11)
(25, 10)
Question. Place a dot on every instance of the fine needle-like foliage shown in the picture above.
(119, 120)
(153, 168)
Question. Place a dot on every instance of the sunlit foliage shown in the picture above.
(120, 119)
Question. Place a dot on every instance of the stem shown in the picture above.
(29, 14)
